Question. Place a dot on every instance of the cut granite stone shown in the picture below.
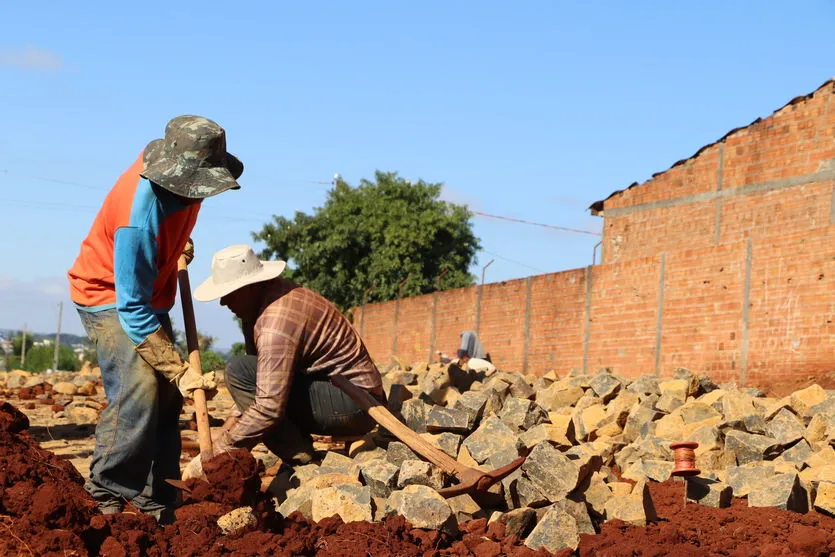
(638, 420)
(555, 433)
(492, 436)
(447, 419)
(380, 476)
(520, 491)
(742, 478)
(398, 452)
(414, 413)
(350, 503)
(636, 509)
(521, 413)
(669, 403)
(556, 530)
(695, 411)
(558, 396)
(553, 473)
(645, 385)
(447, 442)
(656, 470)
(749, 447)
(298, 500)
(464, 508)
(825, 498)
(797, 454)
(419, 472)
(785, 427)
(709, 492)
(472, 403)
(517, 522)
(605, 386)
(335, 462)
(423, 507)
(782, 491)
(804, 400)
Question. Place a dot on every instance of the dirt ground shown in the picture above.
(44, 510)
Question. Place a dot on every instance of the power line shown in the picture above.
(555, 227)
(512, 261)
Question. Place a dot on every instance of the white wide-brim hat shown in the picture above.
(233, 268)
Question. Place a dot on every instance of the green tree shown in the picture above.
(39, 358)
(378, 233)
(238, 349)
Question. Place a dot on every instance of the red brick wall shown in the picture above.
(724, 264)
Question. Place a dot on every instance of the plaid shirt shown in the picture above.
(297, 331)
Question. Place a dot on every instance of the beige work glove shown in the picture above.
(194, 469)
(188, 251)
(161, 354)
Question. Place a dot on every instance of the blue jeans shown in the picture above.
(138, 435)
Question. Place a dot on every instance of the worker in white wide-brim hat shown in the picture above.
(296, 341)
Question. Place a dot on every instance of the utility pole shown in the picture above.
(23, 348)
(57, 337)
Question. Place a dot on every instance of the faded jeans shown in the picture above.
(315, 406)
(138, 435)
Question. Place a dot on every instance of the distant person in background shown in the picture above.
(472, 354)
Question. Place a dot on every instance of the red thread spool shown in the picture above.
(685, 459)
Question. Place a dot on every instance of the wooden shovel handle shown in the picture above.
(201, 413)
(382, 416)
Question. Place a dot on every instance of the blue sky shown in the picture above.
(530, 110)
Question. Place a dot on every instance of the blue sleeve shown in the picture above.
(135, 270)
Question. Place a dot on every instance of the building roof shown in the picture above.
(596, 208)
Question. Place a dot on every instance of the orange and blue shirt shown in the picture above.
(128, 261)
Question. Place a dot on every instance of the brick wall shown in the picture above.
(724, 264)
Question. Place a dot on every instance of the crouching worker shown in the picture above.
(296, 340)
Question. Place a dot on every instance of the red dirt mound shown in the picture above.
(696, 530)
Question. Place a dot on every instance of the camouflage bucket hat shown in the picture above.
(191, 160)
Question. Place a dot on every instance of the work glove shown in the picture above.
(188, 251)
(161, 354)
(194, 469)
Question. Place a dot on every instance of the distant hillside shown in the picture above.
(66, 338)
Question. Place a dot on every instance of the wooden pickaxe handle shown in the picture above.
(421, 446)
(201, 413)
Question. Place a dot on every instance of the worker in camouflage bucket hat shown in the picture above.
(124, 283)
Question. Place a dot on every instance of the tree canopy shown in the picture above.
(376, 234)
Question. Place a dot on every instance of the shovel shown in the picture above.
(470, 480)
(201, 413)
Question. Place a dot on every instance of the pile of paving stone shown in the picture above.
(72, 395)
(592, 444)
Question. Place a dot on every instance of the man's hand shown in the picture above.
(188, 251)
(194, 469)
(192, 380)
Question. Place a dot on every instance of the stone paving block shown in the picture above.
(380, 476)
(236, 520)
(557, 396)
(596, 496)
(803, 400)
(492, 436)
(335, 462)
(517, 522)
(785, 427)
(473, 404)
(694, 411)
(636, 509)
(298, 500)
(464, 508)
(639, 416)
(797, 454)
(709, 492)
(398, 452)
(423, 507)
(749, 447)
(605, 386)
(670, 428)
(556, 434)
(556, 530)
(782, 491)
(734, 405)
(552, 472)
(447, 419)
(656, 470)
(676, 388)
(644, 385)
(823, 457)
(669, 403)
(825, 498)
(520, 491)
(414, 413)
(522, 414)
(742, 478)
(419, 472)
(350, 503)
(447, 442)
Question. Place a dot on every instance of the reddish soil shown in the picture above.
(44, 510)
(696, 530)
